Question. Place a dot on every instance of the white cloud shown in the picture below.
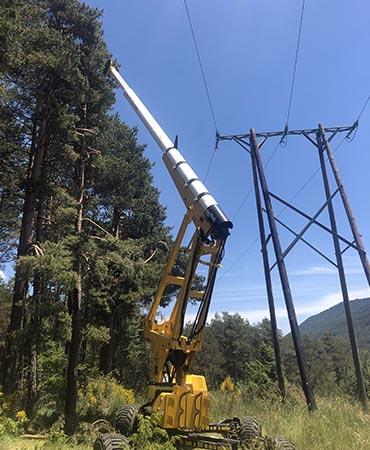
(2, 275)
(258, 287)
(332, 299)
(306, 310)
(325, 270)
(315, 270)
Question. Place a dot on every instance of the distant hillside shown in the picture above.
(333, 321)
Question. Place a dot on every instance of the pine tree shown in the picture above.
(91, 234)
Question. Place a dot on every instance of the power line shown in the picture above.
(295, 62)
(363, 108)
(242, 203)
(273, 153)
(239, 258)
(289, 103)
(210, 163)
(205, 86)
(308, 181)
(201, 66)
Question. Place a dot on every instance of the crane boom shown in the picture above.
(173, 387)
(208, 214)
(178, 398)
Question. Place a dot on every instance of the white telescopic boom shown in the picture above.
(207, 213)
(146, 117)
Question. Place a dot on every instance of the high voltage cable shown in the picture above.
(363, 108)
(210, 163)
(347, 138)
(238, 259)
(281, 140)
(308, 181)
(295, 62)
(201, 66)
(242, 203)
(289, 102)
(204, 83)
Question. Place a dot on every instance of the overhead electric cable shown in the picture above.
(295, 63)
(201, 66)
(252, 244)
(251, 188)
(308, 181)
(210, 163)
(242, 203)
(282, 141)
(363, 108)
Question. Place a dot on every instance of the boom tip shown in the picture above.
(107, 66)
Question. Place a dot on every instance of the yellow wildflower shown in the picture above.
(21, 416)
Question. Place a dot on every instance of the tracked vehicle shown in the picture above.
(179, 398)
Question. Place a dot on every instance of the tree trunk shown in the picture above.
(107, 350)
(12, 346)
(76, 300)
(35, 322)
(115, 222)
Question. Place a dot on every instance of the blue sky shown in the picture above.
(247, 47)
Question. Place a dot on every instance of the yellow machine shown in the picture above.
(180, 398)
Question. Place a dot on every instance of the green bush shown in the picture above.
(83, 438)
(50, 404)
(8, 427)
(101, 398)
(11, 422)
(150, 437)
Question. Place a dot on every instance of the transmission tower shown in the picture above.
(320, 138)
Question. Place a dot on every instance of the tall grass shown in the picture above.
(12, 443)
(339, 424)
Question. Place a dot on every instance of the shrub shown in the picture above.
(11, 423)
(101, 398)
(227, 385)
(50, 404)
(8, 427)
(151, 437)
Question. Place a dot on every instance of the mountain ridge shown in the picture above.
(333, 321)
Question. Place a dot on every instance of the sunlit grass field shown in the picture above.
(339, 424)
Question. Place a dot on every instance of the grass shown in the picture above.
(10, 443)
(337, 425)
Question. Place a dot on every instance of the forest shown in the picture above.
(82, 226)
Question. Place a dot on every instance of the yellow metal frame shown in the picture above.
(182, 402)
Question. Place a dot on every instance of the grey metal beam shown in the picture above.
(301, 359)
(342, 278)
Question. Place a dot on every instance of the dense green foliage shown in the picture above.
(79, 213)
(82, 223)
(333, 321)
(235, 348)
